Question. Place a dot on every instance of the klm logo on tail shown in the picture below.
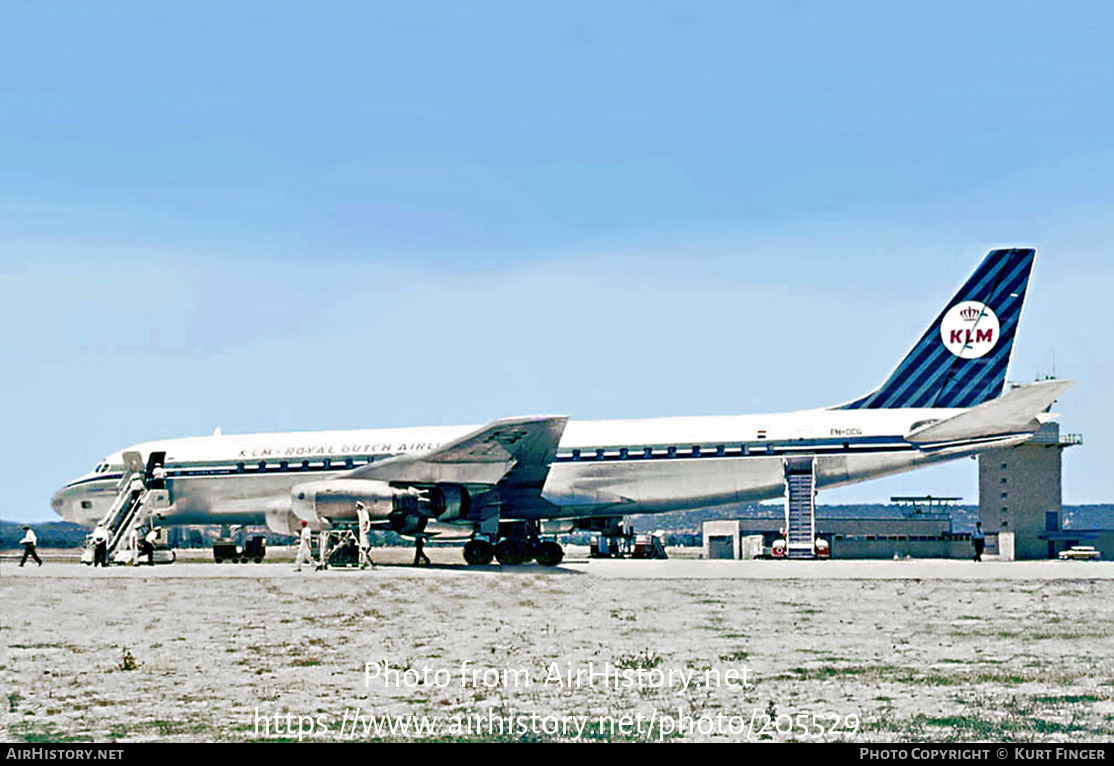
(962, 359)
(970, 330)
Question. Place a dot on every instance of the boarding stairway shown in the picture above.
(138, 498)
(800, 507)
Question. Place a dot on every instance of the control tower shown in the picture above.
(1020, 493)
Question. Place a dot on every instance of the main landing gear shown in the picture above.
(519, 544)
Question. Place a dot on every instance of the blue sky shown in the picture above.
(267, 216)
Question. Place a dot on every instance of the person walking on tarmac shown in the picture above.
(306, 543)
(420, 559)
(979, 539)
(28, 542)
(364, 527)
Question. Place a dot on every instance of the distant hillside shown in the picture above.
(53, 534)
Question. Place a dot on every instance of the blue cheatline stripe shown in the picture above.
(930, 375)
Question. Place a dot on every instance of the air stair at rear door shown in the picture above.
(139, 496)
(800, 507)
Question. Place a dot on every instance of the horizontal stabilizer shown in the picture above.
(1018, 411)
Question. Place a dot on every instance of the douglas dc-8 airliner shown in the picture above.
(505, 484)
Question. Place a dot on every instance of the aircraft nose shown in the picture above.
(57, 500)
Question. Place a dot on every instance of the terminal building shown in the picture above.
(923, 529)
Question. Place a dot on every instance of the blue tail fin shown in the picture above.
(962, 358)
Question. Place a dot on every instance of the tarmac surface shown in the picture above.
(396, 562)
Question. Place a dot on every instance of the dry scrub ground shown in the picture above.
(197, 652)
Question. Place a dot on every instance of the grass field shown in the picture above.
(198, 652)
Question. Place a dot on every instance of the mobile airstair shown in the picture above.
(138, 498)
(800, 507)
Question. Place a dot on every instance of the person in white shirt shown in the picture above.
(133, 547)
(100, 546)
(304, 555)
(147, 545)
(29, 541)
(365, 544)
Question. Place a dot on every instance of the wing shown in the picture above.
(517, 449)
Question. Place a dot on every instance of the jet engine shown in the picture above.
(406, 508)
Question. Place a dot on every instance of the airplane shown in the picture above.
(508, 485)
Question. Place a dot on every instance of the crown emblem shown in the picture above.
(970, 314)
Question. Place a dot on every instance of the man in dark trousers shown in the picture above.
(100, 546)
(979, 539)
(28, 543)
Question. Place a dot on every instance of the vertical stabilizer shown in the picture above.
(962, 359)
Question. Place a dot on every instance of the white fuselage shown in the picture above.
(625, 466)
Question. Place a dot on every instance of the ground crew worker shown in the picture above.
(147, 546)
(28, 542)
(133, 546)
(100, 546)
(420, 559)
(364, 528)
(304, 556)
(979, 539)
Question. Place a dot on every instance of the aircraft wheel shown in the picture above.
(478, 552)
(549, 554)
(512, 552)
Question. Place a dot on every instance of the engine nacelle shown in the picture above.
(316, 501)
(407, 509)
(450, 502)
